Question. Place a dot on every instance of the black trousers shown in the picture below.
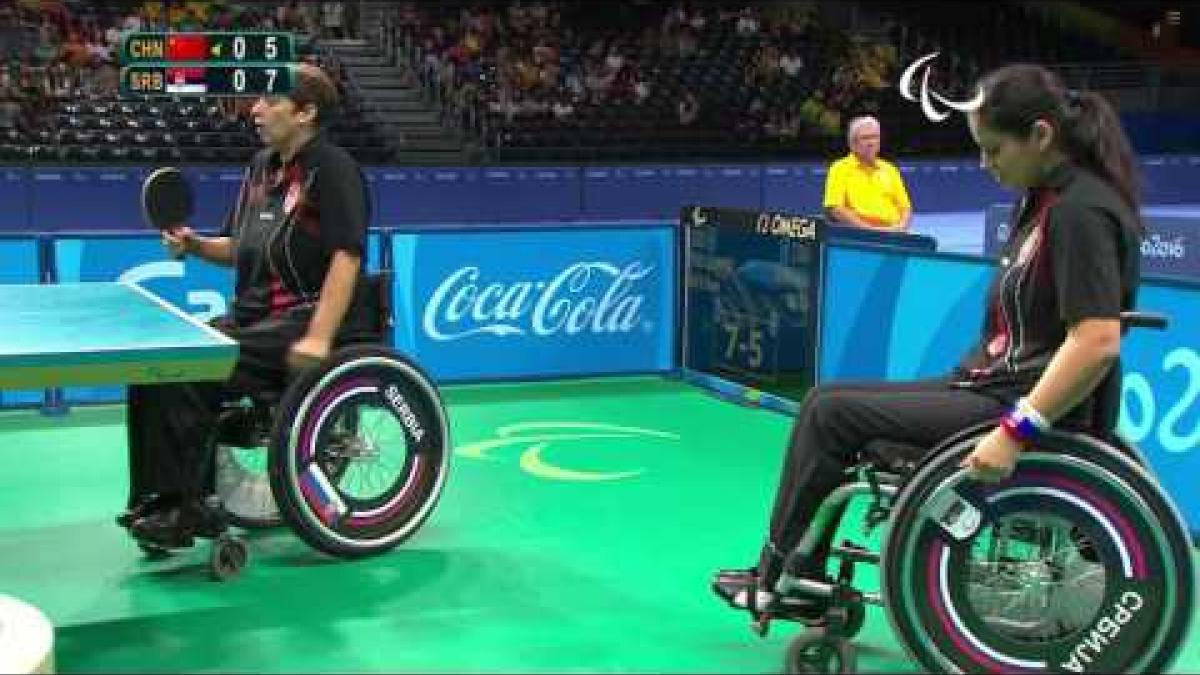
(169, 424)
(835, 421)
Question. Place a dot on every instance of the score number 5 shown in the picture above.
(270, 48)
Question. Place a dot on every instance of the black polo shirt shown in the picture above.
(1074, 254)
(323, 196)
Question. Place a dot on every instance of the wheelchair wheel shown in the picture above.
(227, 558)
(815, 652)
(1077, 562)
(359, 452)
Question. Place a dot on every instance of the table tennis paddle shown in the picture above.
(166, 198)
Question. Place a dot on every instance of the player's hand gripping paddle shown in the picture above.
(167, 199)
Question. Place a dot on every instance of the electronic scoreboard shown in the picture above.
(211, 63)
(750, 289)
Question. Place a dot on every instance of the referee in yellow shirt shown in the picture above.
(863, 189)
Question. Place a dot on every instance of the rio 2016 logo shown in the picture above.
(1140, 407)
(537, 438)
(927, 95)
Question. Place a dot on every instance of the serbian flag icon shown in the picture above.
(187, 47)
(186, 81)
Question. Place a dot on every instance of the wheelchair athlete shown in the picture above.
(1051, 333)
(295, 238)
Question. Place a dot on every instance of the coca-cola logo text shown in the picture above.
(585, 297)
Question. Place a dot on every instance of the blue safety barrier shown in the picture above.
(50, 199)
(1160, 396)
(611, 192)
(529, 194)
(1170, 248)
(898, 314)
(14, 195)
(85, 198)
(19, 264)
(855, 235)
(215, 191)
(882, 320)
(795, 188)
(418, 195)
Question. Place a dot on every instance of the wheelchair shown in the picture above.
(1077, 562)
(352, 455)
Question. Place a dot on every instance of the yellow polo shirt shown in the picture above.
(875, 194)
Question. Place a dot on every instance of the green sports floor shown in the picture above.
(577, 533)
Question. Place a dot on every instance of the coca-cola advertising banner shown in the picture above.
(473, 306)
(1168, 249)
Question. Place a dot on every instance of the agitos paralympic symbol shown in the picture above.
(540, 435)
(927, 107)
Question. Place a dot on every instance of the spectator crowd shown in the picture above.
(520, 60)
(510, 72)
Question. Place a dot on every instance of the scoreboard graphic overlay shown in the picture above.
(212, 64)
(750, 302)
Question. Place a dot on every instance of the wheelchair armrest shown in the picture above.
(1144, 320)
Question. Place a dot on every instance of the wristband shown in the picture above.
(1012, 429)
(1027, 410)
(1024, 423)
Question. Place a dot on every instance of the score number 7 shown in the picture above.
(239, 80)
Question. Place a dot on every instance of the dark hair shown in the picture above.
(1087, 127)
(312, 86)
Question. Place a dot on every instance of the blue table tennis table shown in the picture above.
(54, 335)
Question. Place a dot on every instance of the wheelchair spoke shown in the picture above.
(375, 455)
(1029, 581)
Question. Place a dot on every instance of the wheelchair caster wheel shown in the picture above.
(229, 555)
(816, 652)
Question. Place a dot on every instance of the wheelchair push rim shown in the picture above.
(1077, 562)
(374, 414)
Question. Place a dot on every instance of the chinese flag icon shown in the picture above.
(187, 47)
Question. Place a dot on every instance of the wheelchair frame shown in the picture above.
(908, 501)
(1160, 576)
(309, 502)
